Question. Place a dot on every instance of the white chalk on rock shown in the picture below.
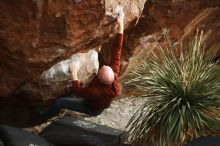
(88, 64)
(116, 12)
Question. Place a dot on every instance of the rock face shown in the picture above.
(36, 34)
(181, 18)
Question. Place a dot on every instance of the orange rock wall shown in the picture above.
(36, 34)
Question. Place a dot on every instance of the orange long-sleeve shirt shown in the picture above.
(98, 95)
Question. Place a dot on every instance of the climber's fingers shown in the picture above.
(74, 67)
(120, 18)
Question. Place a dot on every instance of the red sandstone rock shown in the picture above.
(181, 18)
(35, 34)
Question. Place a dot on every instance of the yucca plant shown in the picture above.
(182, 94)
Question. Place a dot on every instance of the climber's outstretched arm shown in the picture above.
(116, 54)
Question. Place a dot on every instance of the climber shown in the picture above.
(92, 100)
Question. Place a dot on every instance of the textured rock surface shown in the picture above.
(181, 18)
(35, 34)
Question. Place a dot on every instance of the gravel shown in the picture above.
(118, 114)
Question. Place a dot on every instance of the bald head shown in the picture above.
(106, 75)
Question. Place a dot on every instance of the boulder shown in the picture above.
(36, 34)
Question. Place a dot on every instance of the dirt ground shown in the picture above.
(119, 113)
